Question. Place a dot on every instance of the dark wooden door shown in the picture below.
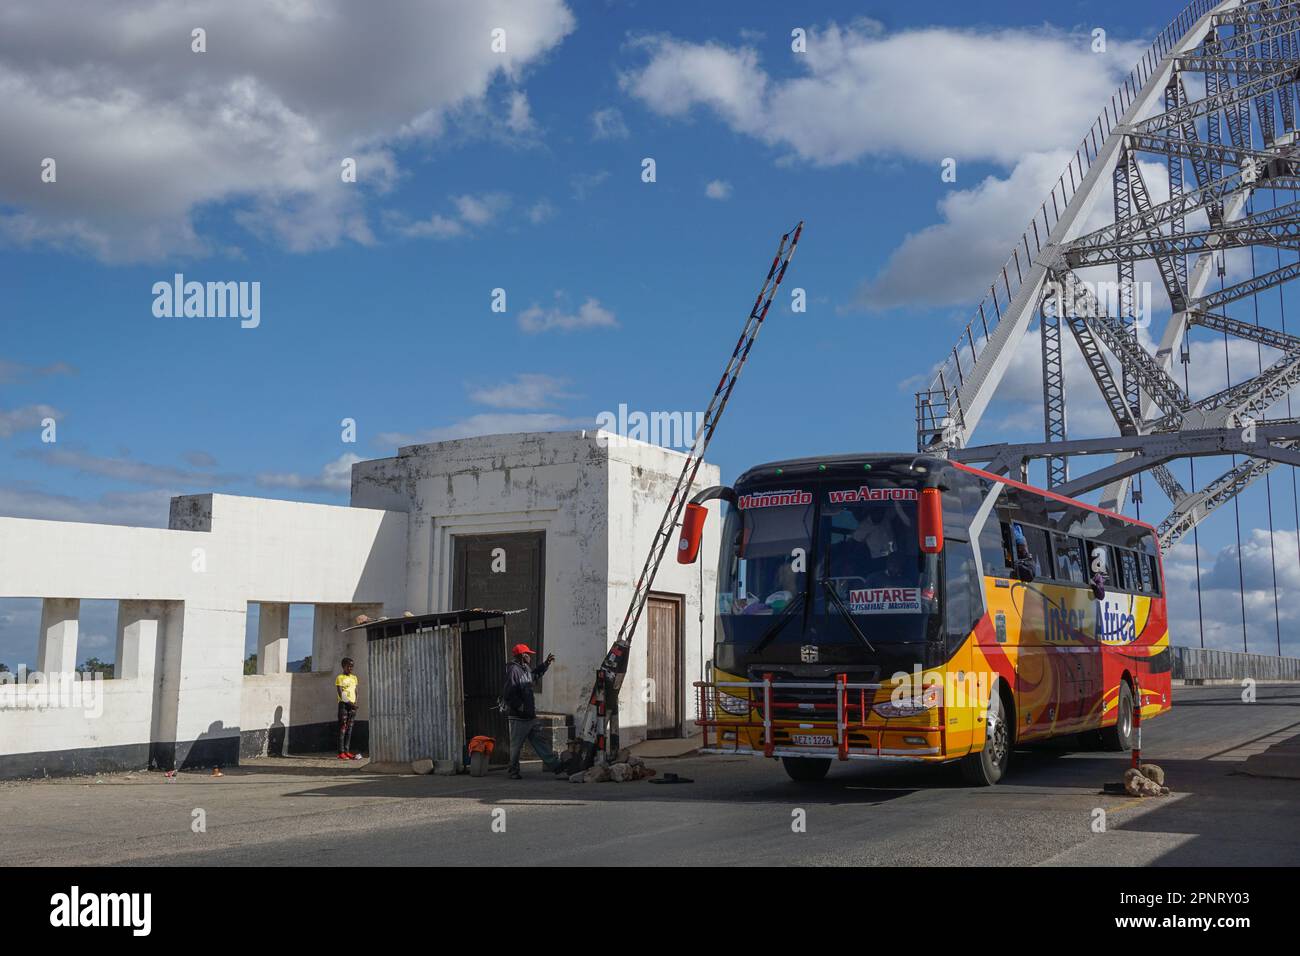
(502, 572)
(664, 665)
(483, 660)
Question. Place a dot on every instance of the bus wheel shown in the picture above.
(986, 768)
(806, 769)
(1120, 737)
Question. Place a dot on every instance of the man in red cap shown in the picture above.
(521, 706)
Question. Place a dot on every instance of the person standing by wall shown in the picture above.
(521, 704)
(345, 685)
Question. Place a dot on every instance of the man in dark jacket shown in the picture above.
(520, 698)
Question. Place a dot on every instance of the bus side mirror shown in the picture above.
(688, 547)
(930, 527)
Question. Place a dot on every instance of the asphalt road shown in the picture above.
(738, 811)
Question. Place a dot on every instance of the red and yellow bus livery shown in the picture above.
(902, 607)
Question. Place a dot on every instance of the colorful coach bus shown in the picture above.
(903, 607)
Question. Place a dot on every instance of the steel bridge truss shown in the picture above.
(1213, 103)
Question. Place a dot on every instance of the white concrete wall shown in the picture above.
(185, 591)
(123, 718)
(641, 481)
(221, 553)
(283, 700)
(599, 500)
(552, 481)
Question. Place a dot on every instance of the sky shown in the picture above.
(511, 169)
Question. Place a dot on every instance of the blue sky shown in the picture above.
(520, 171)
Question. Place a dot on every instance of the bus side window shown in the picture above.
(1153, 572)
(1024, 563)
(1040, 552)
(1144, 569)
(1101, 560)
(995, 548)
(1068, 564)
(1128, 570)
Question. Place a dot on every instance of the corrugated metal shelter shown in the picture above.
(420, 688)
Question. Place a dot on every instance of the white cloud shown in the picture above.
(590, 315)
(11, 372)
(488, 424)
(584, 183)
(481, 210)
(527, 390)
(124, 468)
(520, 119)
(1020, 99)
(608, 123)
(148, 509)
(954, 260)
(145, 132)
(335, 476)
(471, 212)
(14, 420)
(200, 459)
(981, 95)
(1219, 609)
(437, 226)
(718, 189)
(540, 211)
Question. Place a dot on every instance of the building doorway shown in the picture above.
(502, 572)
(664, 665)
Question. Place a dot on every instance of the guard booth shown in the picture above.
(434, 684)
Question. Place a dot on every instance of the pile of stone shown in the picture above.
(625, 768)
(1145, 780)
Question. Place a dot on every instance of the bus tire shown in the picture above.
(1119, 738)
(806, 769)
(987, 767)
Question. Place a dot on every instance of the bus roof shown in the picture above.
(838, 466)
(842, 466)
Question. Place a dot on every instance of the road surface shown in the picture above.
(738, 811)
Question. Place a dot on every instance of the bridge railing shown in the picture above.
(938, 404)
(1204, 663)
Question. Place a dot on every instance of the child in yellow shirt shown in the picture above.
(345, 684)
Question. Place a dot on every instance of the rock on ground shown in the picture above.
(1138, 784)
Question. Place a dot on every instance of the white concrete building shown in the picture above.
(555, 523)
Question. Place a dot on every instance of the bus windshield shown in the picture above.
(847, 556)
(767, 541)
(869, 551)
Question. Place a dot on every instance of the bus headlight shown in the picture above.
(735, 706)
(907, 706)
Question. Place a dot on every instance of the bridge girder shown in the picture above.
(1245, 186)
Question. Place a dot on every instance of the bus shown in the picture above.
(910, 608)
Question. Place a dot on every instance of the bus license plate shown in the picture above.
(812, 740)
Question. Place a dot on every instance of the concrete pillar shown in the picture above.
(139, 626)
(57, 650)
(327, 642)
(273, 638)
(208, 679)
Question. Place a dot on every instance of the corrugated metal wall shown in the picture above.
(417, 698)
